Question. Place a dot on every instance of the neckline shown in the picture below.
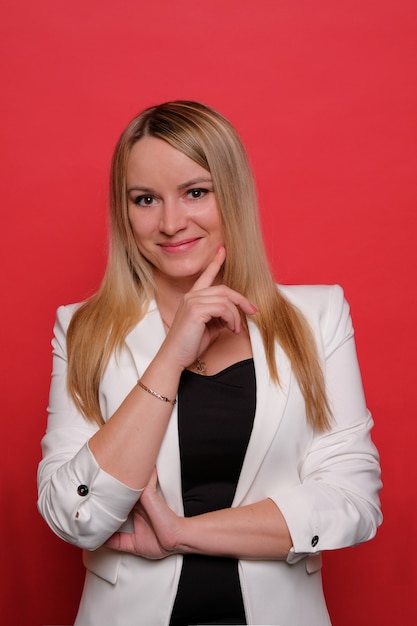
(221, 372)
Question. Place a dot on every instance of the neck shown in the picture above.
(168, 293)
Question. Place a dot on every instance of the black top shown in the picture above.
(215, 419)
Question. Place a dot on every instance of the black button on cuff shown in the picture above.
(314, 541)
(82, 490)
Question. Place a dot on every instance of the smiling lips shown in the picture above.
(176, 247)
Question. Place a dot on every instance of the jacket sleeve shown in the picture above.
(337, 502)
(81, 503)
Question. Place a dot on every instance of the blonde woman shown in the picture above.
(207, 436)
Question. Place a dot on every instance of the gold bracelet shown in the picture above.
(156, 394)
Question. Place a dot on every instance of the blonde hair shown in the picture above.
(100, 325)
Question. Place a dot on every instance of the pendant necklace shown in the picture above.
(199, 366)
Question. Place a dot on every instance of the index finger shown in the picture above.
(207, 277)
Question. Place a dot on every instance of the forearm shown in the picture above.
(128, 444)
(256, 531)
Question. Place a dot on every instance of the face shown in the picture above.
(172, 210)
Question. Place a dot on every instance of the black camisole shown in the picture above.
(215, 419)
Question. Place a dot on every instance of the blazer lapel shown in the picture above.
(144, 342)
(271, 400)
(145, 338)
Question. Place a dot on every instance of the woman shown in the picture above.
(207, 434)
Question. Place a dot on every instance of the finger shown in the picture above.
(114, 542)
(153, 479)
(218, 296)
(207, 277)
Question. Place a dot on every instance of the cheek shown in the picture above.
(212, 218)
(216, 224)
(140, 227)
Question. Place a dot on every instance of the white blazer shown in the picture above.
(326, 485)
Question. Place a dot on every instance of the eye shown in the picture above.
(197, 193)
(144, 200)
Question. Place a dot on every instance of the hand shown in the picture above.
(156, 527)
(203, 312)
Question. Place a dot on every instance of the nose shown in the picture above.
(173, 217)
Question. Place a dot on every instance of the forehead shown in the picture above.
(155, 159)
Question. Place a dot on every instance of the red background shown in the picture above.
(324, 96)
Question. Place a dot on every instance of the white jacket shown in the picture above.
(326, 485)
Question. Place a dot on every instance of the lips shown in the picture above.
(176, 247)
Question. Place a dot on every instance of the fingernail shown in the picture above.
(255, 309)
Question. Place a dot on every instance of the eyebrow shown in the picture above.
(195, 181)
(189, 183)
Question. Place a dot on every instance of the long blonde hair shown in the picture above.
(100, 325)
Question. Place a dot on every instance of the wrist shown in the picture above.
(183, 541)
(167, 360)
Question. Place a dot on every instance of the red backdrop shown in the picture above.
(324, 96)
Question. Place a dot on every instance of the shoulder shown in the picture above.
(63, 318)
(326, 310)
(64, 314)
(313, 299)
